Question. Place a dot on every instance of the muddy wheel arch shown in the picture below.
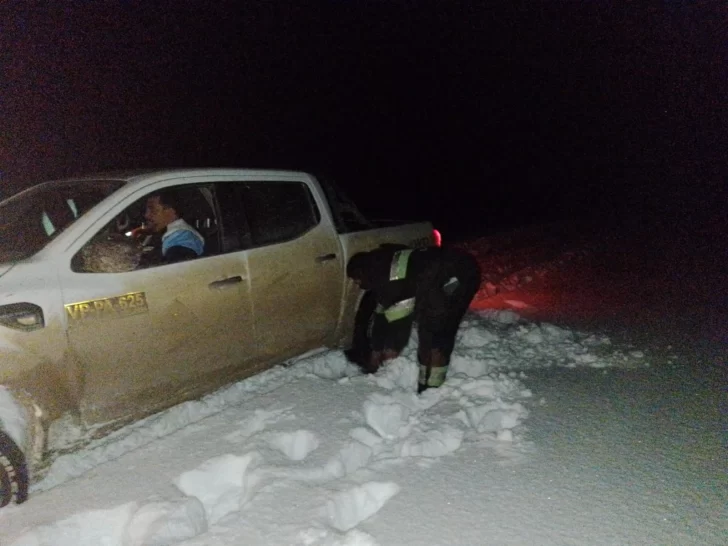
(21, 419)
(14, 480)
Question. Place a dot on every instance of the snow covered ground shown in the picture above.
(542, 434)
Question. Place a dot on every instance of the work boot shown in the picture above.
(390, 354)
(372, 364)
(433, 371)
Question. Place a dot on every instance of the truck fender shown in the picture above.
(21, 419)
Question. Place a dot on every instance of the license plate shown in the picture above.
(105, 308)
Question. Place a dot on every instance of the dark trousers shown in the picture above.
(444, 298)
(440, 315)
(444, 293)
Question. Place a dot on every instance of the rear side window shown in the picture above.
(278, 211)
(347, 216)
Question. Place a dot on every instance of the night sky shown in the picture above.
(477, 115)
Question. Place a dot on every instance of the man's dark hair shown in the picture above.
(171, 199)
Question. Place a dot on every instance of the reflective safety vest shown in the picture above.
(397, 272)
(399, 310)
(400, 261)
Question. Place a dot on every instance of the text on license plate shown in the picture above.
(111, 307)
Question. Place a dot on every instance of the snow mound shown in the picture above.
(93, 528)
(432, 443)
(348, 509)
(495, 416)
(501, 340)
(383, 422)
(489, 342)
(388, 419)
(222, 485)
(163, 523)
(349, 459)
(295, 445)
(327, 537)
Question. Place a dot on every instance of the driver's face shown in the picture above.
(157, 215)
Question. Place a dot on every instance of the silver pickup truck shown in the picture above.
(93, 336)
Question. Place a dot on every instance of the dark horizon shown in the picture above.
(475, 116)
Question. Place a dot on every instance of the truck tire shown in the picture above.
(13, 472)
(360, 348)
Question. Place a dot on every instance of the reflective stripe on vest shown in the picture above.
(397, 272)
(398, 269)
(399, 310)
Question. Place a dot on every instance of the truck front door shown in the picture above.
(147, 337)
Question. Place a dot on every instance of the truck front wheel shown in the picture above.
(361, 348)
(13, 472)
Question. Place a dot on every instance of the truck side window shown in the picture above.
(126, 244)
(347, 217)
(278, 211)
(234, 230)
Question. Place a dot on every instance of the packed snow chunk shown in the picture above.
(348, 509)
(500, 316)
(480, 388)
(471, 366)
(400, 373)
(331, 365)
(258, 422)
(588, 359)
(475, 337)
(222, 484)
(554, 333)
(329, 537)
(355, 537)
(596, 340)
(295, 445)
(350, 458)
(537, 334)
(365, 436)
(389, 420)
(505, 435)
(12, 417)
(432, 443)
(93, 528)
(166, 522)
(531, 335)
(496, 416)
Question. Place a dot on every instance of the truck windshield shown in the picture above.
(32, 218)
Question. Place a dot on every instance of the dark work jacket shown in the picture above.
(428, 270)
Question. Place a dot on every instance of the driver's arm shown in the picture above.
(179, 254)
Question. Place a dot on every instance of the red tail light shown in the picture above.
(437, 237)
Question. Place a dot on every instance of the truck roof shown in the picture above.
(133, 176)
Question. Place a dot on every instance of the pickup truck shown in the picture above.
(93, 337)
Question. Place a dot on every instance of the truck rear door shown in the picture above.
(296, 267)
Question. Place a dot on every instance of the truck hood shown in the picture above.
(5, 267)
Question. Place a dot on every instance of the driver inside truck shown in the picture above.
(179, 240)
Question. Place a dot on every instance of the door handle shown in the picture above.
(225, 283)
(325, 258)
